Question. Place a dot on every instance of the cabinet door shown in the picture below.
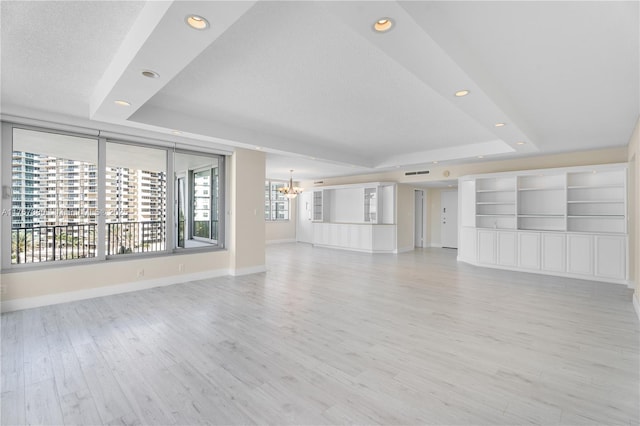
(554, 252)
(611, 256)
(467, 249)
(317, 207)
(529, 250)
(580, 254)
(506, 249)
(487, 247)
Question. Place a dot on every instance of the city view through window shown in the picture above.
(54, 214)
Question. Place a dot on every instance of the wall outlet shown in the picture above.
(181, 267)
(140, 273)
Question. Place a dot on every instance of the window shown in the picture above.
(49, 220)
(199, 186)
(136, 218)
(276, 205)
(66, 205)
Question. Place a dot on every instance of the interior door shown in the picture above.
(449, 219)
(419, 218)
(304, 231)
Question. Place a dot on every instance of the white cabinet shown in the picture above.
(467, 244)
(529, 250)
(611, 256)
(569, 221)
(384, 237)
(554, 253)
(506, 248)
(580, 254)
(486, 247)
(361, 237)
(597, 201)
(319, 206)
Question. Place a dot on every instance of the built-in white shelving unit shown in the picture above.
(597, 201)
(542, 202)
(569, 221)
(496, 203)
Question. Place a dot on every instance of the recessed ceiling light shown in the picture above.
(500, 124)
(122, 103)
(435, 162)
(480, 156)
(258, 148)
(383, 25)
(461, 93)
(520, 143)
(150, 74)
(197, 22)
(176, 132)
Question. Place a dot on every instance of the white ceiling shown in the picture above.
(314, 86)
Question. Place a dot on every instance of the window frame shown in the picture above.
(171, 230)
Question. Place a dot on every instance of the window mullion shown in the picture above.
(101, 215)
(171, 225)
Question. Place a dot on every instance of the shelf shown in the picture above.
(543, 229)
(552, 216)
(603, 216)
(499, 229)
(495, 190)
(509, 203)
(551, 188)
(496, 215)
(597, 202)
(596, 186)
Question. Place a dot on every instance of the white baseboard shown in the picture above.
(287, 240)
(90, 293)
(248, 271)
(636, 303)
(552, 273)
(434, 245)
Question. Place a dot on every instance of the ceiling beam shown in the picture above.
(160, 41)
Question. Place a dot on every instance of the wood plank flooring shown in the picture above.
(332, 337)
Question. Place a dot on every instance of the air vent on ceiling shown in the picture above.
(421, 172)
(318, 182)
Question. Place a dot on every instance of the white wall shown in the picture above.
(283, 230)
(405, 216)
(346, 205)
(580, 158)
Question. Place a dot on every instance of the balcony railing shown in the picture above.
(135, 237)
(50, 243)
(34, 244)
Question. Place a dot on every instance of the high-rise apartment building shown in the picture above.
(54, 197)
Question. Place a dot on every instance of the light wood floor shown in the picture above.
(332, 337)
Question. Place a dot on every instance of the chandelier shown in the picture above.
(290, 191)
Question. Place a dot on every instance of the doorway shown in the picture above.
(449, 219)
(419, 218)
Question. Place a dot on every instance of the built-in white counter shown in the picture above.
(359, 217)
(366, 237)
